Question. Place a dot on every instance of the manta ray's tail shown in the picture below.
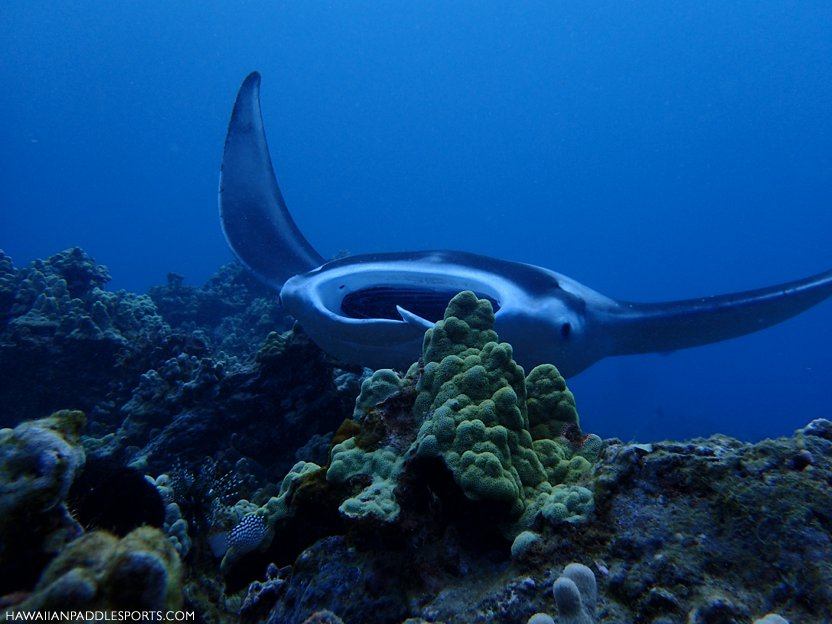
(254, 216)
(661, 327)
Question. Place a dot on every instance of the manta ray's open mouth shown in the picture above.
(381, 301)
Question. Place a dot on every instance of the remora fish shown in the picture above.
(373, 309)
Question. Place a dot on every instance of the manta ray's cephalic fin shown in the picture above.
(649, 327)
(254, 217)
(414, 319)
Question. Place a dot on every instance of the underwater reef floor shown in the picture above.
(176, 451)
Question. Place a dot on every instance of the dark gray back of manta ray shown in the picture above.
(531, 279)
(255, 220)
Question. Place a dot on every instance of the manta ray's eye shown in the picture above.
(566, 329)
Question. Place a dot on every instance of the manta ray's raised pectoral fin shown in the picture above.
(255, 220)
(662, 327)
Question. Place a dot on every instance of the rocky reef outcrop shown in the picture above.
(709, 531)
(189, 408)
(182, 373)
(232, 311)
(39, 460)
(67, 341)
(62, 336)
(456, 428)
(101, 572)
(239, 472)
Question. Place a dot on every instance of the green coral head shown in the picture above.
(476, 313)
(500, 434)
(468, 324)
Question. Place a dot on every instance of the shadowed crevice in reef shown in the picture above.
(115, 498)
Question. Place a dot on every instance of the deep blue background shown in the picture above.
(652, 150)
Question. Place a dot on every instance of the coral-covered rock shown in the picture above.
(718, 517)
(361, 587)
(101, 572)
(38, 462)
(463, 413)
(264, 410)
(261, 596)
(232, 310)
(63, 340)
(471, 410)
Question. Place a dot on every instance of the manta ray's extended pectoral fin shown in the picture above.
(255, 219)
(663, 327)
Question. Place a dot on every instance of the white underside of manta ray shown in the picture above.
(373, 310)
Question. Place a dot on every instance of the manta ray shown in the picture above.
(373, 310)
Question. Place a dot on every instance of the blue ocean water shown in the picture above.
(650, 150)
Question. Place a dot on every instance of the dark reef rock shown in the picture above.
(712, 530)
(62, 337)
(190, 408)
(357, 586)
(261, 597)
(67, 342)
(232, 309)
(720, 518)
(164, 378)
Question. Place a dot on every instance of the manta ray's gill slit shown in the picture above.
(381, 301)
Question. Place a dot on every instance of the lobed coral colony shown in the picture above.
(464, 414)
(197, 458)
